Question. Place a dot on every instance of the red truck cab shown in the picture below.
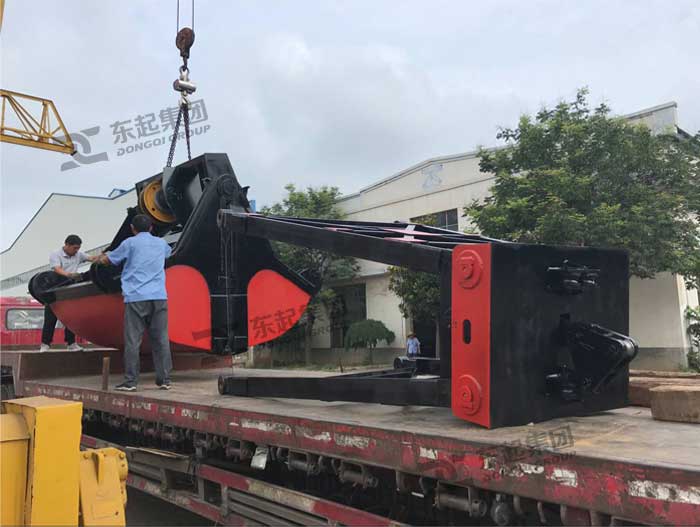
(21, 321)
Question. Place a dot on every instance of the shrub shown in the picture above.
(367, 333)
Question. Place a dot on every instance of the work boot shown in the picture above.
(44, 347)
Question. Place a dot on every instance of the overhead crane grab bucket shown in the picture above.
(206, 277)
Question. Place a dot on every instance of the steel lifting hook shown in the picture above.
(184, 41)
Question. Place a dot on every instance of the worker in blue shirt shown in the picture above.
(412, 346)
(145, 301)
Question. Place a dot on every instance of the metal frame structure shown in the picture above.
(414, 246)
(499, 364)
(45, 131)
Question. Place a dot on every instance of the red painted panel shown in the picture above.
(274, 305)
(471, 307)
(189, 307)
(100, 318)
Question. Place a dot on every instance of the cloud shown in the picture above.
(340, 93)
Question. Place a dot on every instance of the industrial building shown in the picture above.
(439, 187)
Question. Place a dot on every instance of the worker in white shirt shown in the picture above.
(65, 262)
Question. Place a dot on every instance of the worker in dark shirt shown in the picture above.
(145, 301)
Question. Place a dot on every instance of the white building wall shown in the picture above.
(660, 119)
(322, 332)
(384, 306)
(656, 321)
(94, 219)
(429, 187)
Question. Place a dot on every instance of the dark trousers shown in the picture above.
(50, 326)
(151, 315)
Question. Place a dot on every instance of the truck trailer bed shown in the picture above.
(622, 462)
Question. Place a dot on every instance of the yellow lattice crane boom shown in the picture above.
(32, 121)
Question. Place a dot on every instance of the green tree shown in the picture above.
(419, 293)
(319, 267)
(573, 175)
(367, 334)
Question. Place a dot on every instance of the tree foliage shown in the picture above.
(319, 267)
(367, 333)
(320, 203)
(573, 175)
(419, 293)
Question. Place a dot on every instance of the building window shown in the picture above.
(350, 306)
(446, 219)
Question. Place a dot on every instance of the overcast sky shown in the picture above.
(342, 93)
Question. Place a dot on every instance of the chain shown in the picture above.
(183, 41)
(182, 115)
(176, 130)
(185, 110)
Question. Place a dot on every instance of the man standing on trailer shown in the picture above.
(65, 262)
(145, 301)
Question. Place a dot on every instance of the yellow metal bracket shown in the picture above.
(44, 130)
(14, 445)
(102, 487)
(52, 490)
(46, 479)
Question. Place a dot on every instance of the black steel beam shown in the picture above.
(382, 390)
(325, 237)
(445, 321)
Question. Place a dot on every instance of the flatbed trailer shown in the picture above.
(370, 464)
